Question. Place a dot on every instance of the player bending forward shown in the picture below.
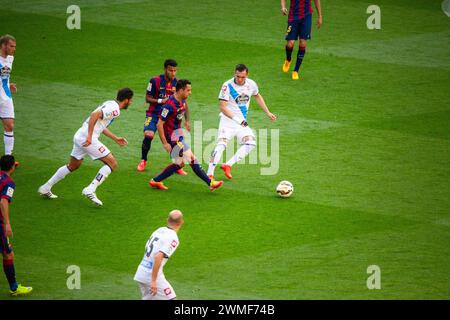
(172, 138)
(234, 103)
(86, 141)
(161, 245)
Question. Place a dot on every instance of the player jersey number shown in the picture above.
(149, 246)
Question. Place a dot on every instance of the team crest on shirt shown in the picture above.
(4, 72)
(10, 193)
(167, 291)
(242, 99)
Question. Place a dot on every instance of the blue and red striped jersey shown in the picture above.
(7, 187)
(158, 88)
(172, 114)
(299, 9)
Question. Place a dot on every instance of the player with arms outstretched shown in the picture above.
(86, 141)
(159, 248)
(234, 99)
(159, 89)
(299, 27)
(172, 138)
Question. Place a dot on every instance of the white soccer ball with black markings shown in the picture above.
(285, 189)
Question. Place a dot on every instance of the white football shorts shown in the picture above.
(6, 109)
(95, 150)
(228, 129)
(164, 290)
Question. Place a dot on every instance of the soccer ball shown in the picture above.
(285, 189)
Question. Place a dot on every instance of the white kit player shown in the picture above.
(160, 246)
(86, 141)
(234, 99)
(8, 48)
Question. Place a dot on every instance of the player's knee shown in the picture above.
(73, 166)
(149, 134)
(112, 164)
(290, 44)
(302, 44)
(249, 141)
(223, 142)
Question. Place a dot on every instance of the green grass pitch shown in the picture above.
(364, 138)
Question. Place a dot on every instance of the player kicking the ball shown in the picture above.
(86, 141)
(172, 138)
(234, 103)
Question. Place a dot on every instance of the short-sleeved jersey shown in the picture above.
(299, 9)
(110, 110)
(238, 97)
(172, 113)
(5, 71)
(7, 187)
(159, 88)
(163, 240)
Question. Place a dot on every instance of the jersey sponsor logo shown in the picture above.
(164, 112)
(174, 243)
(242, 99)
(167, 291)
(10, 192)
(4, 72)
(101, 149)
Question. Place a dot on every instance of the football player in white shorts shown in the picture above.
(160, 246)
(234, 100)
(86, 142)
(8, 48)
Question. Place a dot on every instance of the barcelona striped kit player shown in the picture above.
(7, 187)
(172, 137)
(299, 27)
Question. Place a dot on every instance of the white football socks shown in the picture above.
(242, 152)
(8, 139)
(102, 174)
(60, 174)
(215, 158)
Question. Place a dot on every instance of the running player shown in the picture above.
(172, 138)
(7, 187)
(234, 100)
(159, 89)
(299, 27)
(86, 141)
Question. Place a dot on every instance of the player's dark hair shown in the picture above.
(241, 67)
(5, 38)
(125, 93)
(7, 162)
(182, 83)
(170, 62)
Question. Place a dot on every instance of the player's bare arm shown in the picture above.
(162, 136)
(319, 13)
(284, 10)
(5, 211)
(187, 123)
(226, 111)
(95, 116)
(119, 140)
(150, 99)
(260, 100)
(156, 265)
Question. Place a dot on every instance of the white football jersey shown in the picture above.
(5, 71)
(163, 240)
(238, 97)
(110, 111)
